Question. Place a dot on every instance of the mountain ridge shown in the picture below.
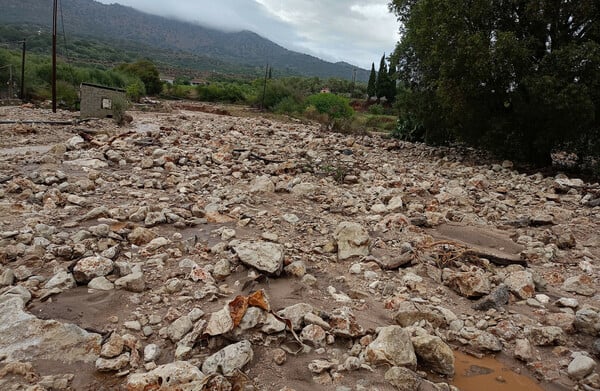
(119, 22)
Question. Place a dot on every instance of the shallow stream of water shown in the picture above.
(489, 374)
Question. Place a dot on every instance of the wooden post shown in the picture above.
(23, 72)
(54, 57)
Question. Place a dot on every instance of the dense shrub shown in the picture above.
(333, 105)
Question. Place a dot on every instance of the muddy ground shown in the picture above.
(147, 232)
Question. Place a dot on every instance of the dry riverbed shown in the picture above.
(197, 250)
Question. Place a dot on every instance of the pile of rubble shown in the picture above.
(197, 251)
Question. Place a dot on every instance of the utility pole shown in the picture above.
(10, 82)
(23, 72)
(54, 14)
(262, 106)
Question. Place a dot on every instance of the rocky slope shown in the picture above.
(194, 250)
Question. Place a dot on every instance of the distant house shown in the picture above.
(167, 79)
(97, 101)
(325, 90)
(198, 82)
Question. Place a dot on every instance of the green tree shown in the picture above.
(333, 105)
(517, 77)
(371, 86)
(147, 72)
(135, 90)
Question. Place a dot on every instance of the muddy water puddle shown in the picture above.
(489, 374)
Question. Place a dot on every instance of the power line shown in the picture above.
(62, 22)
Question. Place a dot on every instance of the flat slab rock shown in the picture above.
(485, 242)
(25, 337)
(264, 256)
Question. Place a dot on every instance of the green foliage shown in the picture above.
(275, 92)
(119, 107)
(221, 92)
(372, 85)
(38, 72)
(66, 95)
(408, 129)
(135, 90)
(288, 105)
(376, 109)
(147, 72)
(519, 78)
(333, 105)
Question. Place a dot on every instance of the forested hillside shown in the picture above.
(126, 27)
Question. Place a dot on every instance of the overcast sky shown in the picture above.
(355, 31)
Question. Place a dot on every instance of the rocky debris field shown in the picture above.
(197, 251)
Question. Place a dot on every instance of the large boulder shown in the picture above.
(25, 337)
(229, 359)
(352, 240)
(392, 346)
(264, 256)
(434, 353)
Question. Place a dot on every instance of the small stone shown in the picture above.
(133, 282)
(133, 325)
(567, 302)
(546, 335)
(295, 314)
(403, 379)
(262, 184)
(62, 280)
(279, 356)
(91, 267)
(487, 342)
(179, 328)
(313, 335)
(151, 352)
(524, 350)
(176, 375)
(196, 314)
(229, 359)
(581, 284)
(497, 298)
(521, 284)
(113, 347)
(581, 366)
(222, 269)
(468, 284)
(112, 364)
(228, 234)
(101, 284)
(147, 331)
(140, 236)
(173, 285)
(296, 269)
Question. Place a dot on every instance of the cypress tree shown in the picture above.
(371, 87)
(383, 80)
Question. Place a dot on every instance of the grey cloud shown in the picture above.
(357, 31)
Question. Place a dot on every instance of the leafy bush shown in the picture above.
(119, 107)
(333, 105)
(136, 90)
(66, 95)
(311, 112)
(221, 92)
(288, 105)
(376, 109)
(408, 129)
